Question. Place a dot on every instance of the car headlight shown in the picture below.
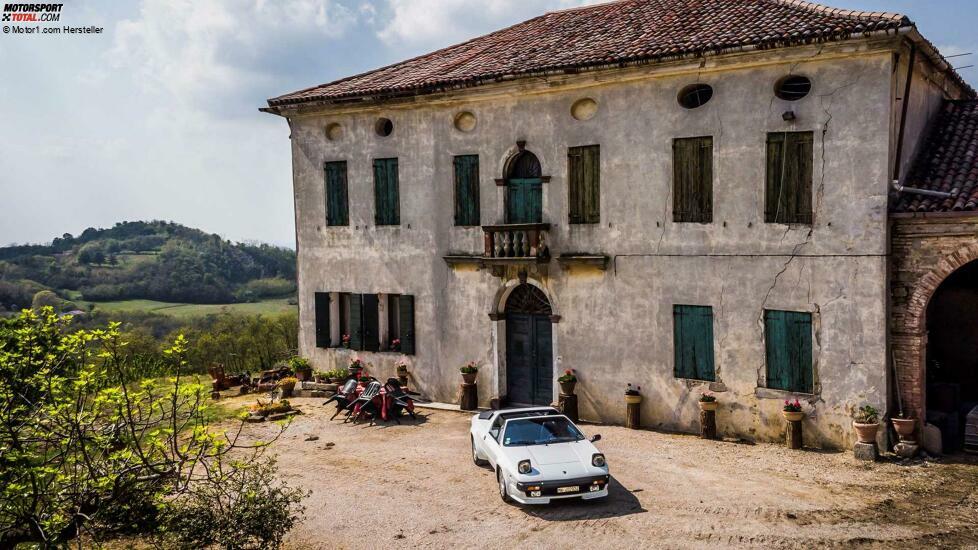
(524, 467)
(598, 460)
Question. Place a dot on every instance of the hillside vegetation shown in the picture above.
(159, 261)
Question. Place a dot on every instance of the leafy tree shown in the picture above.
(88, 448)
(46, 298)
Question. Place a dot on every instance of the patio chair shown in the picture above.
(343, 396)
(366, 402)
(398, 400)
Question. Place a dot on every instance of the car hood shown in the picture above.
(575, 452)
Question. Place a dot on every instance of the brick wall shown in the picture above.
(924, 251)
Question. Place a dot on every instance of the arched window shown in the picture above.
(527, 298)
(524, 165)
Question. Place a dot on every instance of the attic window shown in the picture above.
(384, 127)
(695, 95)
(793, 87)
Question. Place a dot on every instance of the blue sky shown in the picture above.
(157, 117)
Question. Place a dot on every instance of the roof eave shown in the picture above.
(280, 107)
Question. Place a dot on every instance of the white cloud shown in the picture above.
(202, 54)
(441, 22)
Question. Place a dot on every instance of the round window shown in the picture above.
(384, 127)
(465, 122)
(584, 109)
(793, 87)
(334, 131)
(695, 95)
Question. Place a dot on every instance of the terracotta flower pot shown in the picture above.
(632, 399)
(469, 377)
(567, 388)
(709, 405)
(904, 427)
(866, 433)
(793, 416)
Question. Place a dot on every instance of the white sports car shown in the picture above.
(538, 455)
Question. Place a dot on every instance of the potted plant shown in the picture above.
(346, 341)
(301, 367)
(396, 344)
(567, 382)
(708, 402)
(469, 372)
(401, 367)
(356, 366)
(287, 385)
(792, 411)
(633, 394)
(904, 424)
(866, 422)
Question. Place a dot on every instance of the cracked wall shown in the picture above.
(616, 325)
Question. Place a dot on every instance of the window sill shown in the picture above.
(781, 395)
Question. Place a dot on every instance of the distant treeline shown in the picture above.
(241, 343)
(146, 260)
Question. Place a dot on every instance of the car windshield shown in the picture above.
(540, 431)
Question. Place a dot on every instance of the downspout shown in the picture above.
(897, 186)
(903, 114)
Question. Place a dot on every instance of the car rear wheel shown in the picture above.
(475, 454)
(503, 493)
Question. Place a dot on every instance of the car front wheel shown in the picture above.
(503, 493)
(475, 454)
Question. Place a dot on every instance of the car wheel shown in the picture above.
(503, 493)
(475, 454)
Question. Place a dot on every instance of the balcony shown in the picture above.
(509, 245)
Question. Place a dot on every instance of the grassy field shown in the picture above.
(265, 307)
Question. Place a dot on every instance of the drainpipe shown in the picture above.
(905, 108)
(904, 189)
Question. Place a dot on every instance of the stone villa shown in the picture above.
(754, 198)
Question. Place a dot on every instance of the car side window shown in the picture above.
(494, 428)
(499, 435)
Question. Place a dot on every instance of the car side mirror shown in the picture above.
(596, 438)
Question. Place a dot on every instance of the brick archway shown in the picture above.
(909, 313)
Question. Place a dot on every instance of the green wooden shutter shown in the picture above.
(692, 194)
(322, 320)
(788, 192)
(406, 322)
(693, 342)
(371, 323)
(788, 339)
(386, 192)
(337, 201)
(356, 321)
(584, 184)
(467, 190)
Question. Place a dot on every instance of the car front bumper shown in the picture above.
(588, 487)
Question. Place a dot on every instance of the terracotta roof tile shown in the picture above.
(948, 163)
(622, 32)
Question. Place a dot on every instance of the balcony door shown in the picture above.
(524, 189)
(529, 347)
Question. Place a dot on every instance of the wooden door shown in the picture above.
(529, 359)
(524, 200)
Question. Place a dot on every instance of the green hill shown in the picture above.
(159, 261)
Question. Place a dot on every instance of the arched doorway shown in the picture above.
(952, 357)
(524, 189)
(529, 347)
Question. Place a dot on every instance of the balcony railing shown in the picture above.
(523, 241)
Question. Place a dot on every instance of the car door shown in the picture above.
(492, 445)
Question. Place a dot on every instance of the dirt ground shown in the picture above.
(414, 485)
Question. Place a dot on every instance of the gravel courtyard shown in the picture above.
(414, 485)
